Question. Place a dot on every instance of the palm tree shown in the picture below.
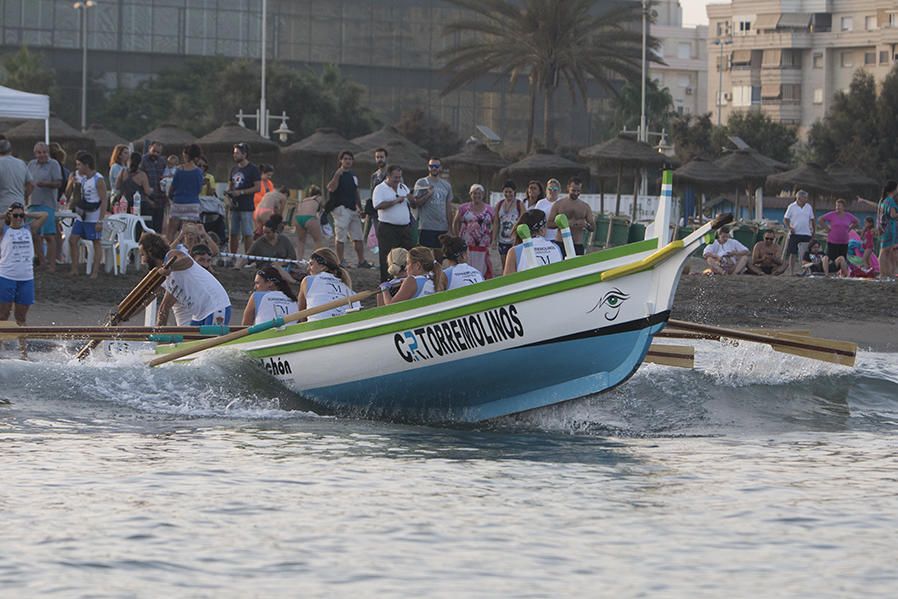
(548, 42)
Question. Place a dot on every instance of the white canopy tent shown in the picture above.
(23, 105)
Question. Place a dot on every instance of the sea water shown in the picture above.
(754, 475)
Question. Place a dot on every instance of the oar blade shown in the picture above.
(679, 356)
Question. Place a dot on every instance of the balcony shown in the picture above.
(787, 112)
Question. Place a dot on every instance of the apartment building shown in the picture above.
(684, 51)
(787, 58)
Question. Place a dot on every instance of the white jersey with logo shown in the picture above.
(17, 254)
(546, 253)
(323, 288)
(461, 275)
(272, 304)
(90, 194)
(197, 291)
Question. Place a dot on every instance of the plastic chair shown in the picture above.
(133, 227)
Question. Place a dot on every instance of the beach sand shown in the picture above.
(853, 310)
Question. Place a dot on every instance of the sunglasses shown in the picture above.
(17, 215)
(434, 165)
(268, 277)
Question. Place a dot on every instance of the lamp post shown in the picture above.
(282, 131)
(83, 6)
(721, 42)
(642, 128)
(263, 109)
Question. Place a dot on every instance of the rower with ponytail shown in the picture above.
(425, 277)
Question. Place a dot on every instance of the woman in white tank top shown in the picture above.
(459, 273)
(425, 277)
(546, 252)
(327, 282)
(271, 298)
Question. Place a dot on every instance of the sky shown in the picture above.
(694, 12)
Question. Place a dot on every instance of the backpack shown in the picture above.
(83, 204)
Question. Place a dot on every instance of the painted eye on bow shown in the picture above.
(612, 300)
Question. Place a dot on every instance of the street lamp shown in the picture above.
(83, 6)
(721, 42)
(282, 131)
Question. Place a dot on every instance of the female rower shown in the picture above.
(327, 281)
(459, 273)
(17, 262)
(397, 260)
(546, 251)
(425, 277)
(271, 297)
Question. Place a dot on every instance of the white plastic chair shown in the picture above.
(134, 227)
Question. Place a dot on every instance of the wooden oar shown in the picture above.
(681, 356)
(827, 350)
(131, 304)
(271, 324)
(10, 330)
(674, 333)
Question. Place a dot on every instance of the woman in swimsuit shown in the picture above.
(307, 220)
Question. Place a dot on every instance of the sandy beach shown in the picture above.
(855, 310)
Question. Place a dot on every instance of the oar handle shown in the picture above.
(529, 253)
(295, 316)
(567, 238)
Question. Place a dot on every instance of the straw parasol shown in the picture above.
(218, 146)
(542, 165)
(752, 169)
(624, 151)
(24, 136)
(809, 177)
(383, 136)
(321, 148)
(855, 180)
(171, 137)
(704, 176)
(105, 141)
(475, 159)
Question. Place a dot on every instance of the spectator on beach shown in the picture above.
(553, 188)
(271, 298)
(474, 223)
(118, 164)
(193, 292)
(327, 281)
(533, 196)
(433, 199)
(212, 208)
(578, 212)
(17, 262)
(425, 277)
(726, 256)
(59, 155)
(242, 186)
(273, 244)
(391, 199)
(346, 207)
(88, 190)
(307, 222)
(546, 252)
(867, 237)
(172, 163)
(839, 223)
(819, 263)
(272, 203)
(509, 211)
(134, 181)
(799, 220)
(186, 186)
(765, 256)
(887, 214)
(193, 234)
(46, 175)
(15, 179)
(266, 185)
(377, 177)
(154, 166)
(458, 272)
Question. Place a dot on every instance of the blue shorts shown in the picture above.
(49, 226)
(242, 223)
(217, 317)
(86, 231)
(16, 292)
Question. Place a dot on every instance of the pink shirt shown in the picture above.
(839, 225)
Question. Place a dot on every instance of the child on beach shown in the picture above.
(867, 239)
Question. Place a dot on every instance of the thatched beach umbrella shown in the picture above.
(856, 181)
(105, 141)
(751, 167)
(704, 176)
(321, 149)
(171, 137)
(624, 151)
(383, 136)
(809, 177)
(475, 159)
(218, 146)
(25, 135)
(542, 165)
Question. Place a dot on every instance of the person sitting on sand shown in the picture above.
(818, 263)
(271, 297)
(726, 256)
(765, 257)
(425, 277)
(194, 292)
(273, 244)
(307, 219)
(458, 273)
(546, 251)
(327, 281)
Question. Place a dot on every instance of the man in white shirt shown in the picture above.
(726, 256)
(800, 221)
(391, 200)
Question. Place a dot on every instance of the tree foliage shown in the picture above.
(691, 137)
(758, 130)
(428, 132)
(548, 43)
(659, 107)
(26, 71)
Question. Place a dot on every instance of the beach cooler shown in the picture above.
(600, 235)
(619, 232)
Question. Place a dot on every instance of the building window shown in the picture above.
(870, 23)
(818, 60)
(756, 94)
(847, 23)
(847, 61)
(893, 19)
(818, 96)
(684, 81)
(883, 57)
(792, 92)
(742, 24)
(684, 50)
(742, 95)
(869, 58)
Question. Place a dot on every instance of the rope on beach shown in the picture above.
(260, 258)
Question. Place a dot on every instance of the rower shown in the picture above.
(327, 281)
(425, 277)
(459, 273)
(272, 296)
(545, 251)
